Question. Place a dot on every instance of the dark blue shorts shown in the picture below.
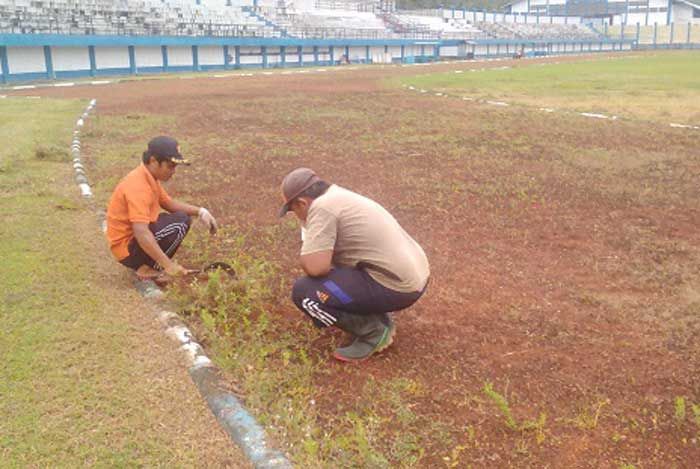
(347, 291)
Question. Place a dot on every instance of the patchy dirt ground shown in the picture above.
(564, 253)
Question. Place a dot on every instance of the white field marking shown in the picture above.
(100, 82)
(321, 70)
(459, 71)
(267, 73)
(187, 78)
(80, 123)
(193, 350)
(61, 85)
(24, 87)
(467, 98)
(179, 333)
(411, 87)
(201, 361)
(423, 91)
(684, 126)
(497, 103)
(438, 94)
(219, 76)
(93, 102)
(33, 97)
(594, 115)
(546, 109)
(165, 316)
(287, 73)
(303, 71)
(2, 96)
(85, 190)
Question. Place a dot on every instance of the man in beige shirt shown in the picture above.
(359, 262)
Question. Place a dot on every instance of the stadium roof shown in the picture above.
(693, 4)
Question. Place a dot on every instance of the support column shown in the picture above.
(227, 62)
(283, 55)
(300, 51)
(237, 52)
(315, 55)
(403, 49)
(263, 52)
(687, 39)
(655, 25)
(132, 61)
(437, 53)
(164, 53)
(4, 66)
(48, 60)
(93, 61)
(347, 53)
(670, 39)
(331, 53)
(195, 58)
(638, 29)
(367, 56)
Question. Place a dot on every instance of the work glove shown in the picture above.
(208, 220)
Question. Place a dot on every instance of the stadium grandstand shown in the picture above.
(47, 39)
(644, 12)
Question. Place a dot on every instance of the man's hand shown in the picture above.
(208, 219)
(175, 270)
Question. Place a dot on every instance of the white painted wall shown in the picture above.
(25, 59)
(450, 51)
(179, 56)
(211, 55)
(70, 58)
(149, 56)
(111, 57)
(250, 59)
(682, 13)
(357, 53)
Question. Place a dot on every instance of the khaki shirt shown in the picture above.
(362, 234)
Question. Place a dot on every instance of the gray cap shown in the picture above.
(294, 184)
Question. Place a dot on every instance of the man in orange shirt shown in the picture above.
(140, 236)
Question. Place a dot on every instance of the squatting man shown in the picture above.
(359, 262)
(139, 235)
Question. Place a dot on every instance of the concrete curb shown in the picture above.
(80, 175)
(238, 423)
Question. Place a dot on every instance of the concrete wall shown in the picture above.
(179, 56)
(112, 57)
(147, 57)
(26, 59)
(29, 63)
(70, 59)
(211, 55)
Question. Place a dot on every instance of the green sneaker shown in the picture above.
(377, 337)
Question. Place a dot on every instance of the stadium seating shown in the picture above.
(324, 19)
(433, 26)
(128, 17)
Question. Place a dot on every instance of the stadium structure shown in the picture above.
(644, 12)
(49, 39)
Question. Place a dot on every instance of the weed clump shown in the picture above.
(51, 153)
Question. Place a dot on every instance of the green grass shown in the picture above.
(71, 393)
(660, 87)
